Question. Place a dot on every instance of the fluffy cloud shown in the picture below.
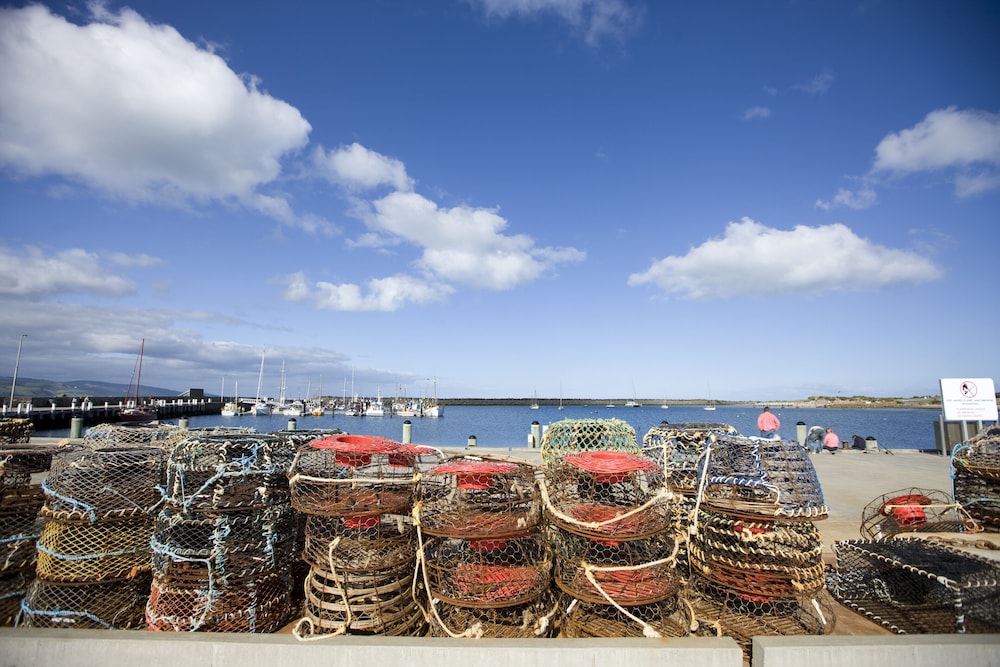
(592, 19)
(754, 260)
(382, 294)
(946, 138)
(754, 113)
(357, 167)
(31, 273)
(137, 111)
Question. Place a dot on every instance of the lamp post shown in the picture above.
(17, 362)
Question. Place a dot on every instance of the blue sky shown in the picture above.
(736, 200)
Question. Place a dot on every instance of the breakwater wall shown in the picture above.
(54, 413)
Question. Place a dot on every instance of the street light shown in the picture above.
(17, 363)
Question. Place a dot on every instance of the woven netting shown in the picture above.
(18, 463)
(164, 436)
(18, 509)
(255, 605)
(105, 484)
(373, 602)
(529, 620)
(471, 496)
(13, 587)
(580, 620)
(15, 429)
(607, 494)
(81, 551)
(625, 573)
(359, 544)
(109, 605)
(18, 551)
(222, 549)
(719, 611)
(676, 449)
(912, 586)
(231, 472)
(914, 510)
(578, 435)
(352, 475)
(488, 572)
(760, 560)
(976, 475)
(760, 478)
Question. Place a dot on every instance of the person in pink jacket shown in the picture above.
(831, 442)
(768, 424)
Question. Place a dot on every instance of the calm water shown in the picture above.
(509, 426)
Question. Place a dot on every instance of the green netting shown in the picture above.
(578, 435)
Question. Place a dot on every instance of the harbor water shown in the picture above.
(510, 426)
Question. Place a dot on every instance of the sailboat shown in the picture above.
(231, 408)
(560, 396)
(260, 408)
(633, 403)
(434, 409)
(534, 402)
(133, 412)
(711, 405)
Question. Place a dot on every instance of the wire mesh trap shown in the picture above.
(755, 477)
(353, 475)
(914, 510)
(15, 429)
(19, 462)
(85, 552)
(470, 497)
(534, 619)
(607, 494)
(358, 544)
(576, 435)
(108, 605)
(677, 447)
(762, 561)
(255, 605)
(913, 586)
(976, 473)
(578, 619)
(106, 436)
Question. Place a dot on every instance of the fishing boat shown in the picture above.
(375, 408)
(434, 409)
(133, 412)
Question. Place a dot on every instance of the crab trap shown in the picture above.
(164, 436)
(976, 473)
(577, 435)
(676, 448)
(667, 618)
(15, 429)
(912, 586)
(107, 605)
(255, 605)
(914, 510)
(537, 618)
(359, 543)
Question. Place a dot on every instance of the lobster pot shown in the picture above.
(472, 497)
(761, 478)
(255, 605)
(607, 495)
(358, 544)
(578, 435)
(718, 609)
(226, 473)
(760, 560)
(222, 549)
(535, 619)
(15, 429)
(19, 462)
(976, 466)
(352, 475)
(676, 449)
(371, 602)
(626, 573)
(85, 552)
(911, 586)
(107, 605)
(107, 436)
(99, 485)
(13, 587)
(914, 510)
(19, 508)
(581, 620)
(488, 572)
(18, 555)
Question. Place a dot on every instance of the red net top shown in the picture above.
(474, 474)
(356, 444)
(609, 463)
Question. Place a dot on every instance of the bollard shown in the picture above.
(800, 432)
(76, 427)
(536, 434)
(472, 441)
(182, 422)
(407, 432)
(871, 444)
(292, 424)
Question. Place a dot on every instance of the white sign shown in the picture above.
(969, 399)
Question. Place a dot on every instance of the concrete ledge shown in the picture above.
(881, 651)
(28, 647)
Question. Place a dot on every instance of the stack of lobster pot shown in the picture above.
(93, 568)
(222, 541)
(755, 551)
(485, 561)
(20, 526)
(611, 529)
(360, 542)
(976, 466)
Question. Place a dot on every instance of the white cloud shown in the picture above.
(592, 19)
(383, 294)
(137, 111)
(862, 198)
(818, 85)
(754, 260)
(753, 113)
(946, 139)
(31, 273)
(357, 167)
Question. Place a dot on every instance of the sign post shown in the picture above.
(964, 400)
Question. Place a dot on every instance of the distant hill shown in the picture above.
(33, 387)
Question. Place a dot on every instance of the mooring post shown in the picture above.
(76, 427)
(536, 434)
(407, 432)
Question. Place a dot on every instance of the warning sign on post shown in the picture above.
(968, 399)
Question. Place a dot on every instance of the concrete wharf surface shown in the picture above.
(849, 479)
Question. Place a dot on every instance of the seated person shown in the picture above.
(857, 442)
(831, 442)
